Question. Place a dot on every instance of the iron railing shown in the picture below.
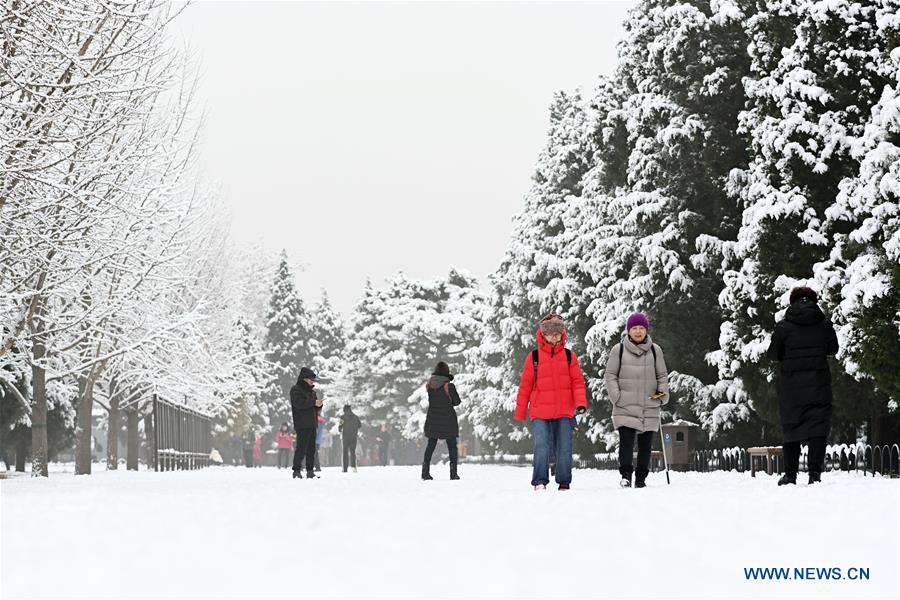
(880, 459)
(182, 435)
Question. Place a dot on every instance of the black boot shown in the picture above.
(815, 477)
(426, 474)
(298, 474)
(453, 473)
(788, 480)
(626, 477)
(640, 478)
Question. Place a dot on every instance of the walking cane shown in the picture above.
(662, 442)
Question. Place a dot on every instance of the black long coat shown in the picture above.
(801, 342)
(441, 422)
(303, 406)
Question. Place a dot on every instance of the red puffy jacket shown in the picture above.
(560, 385)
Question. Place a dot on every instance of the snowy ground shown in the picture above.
(235, 532)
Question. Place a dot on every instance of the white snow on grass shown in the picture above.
(237, 532)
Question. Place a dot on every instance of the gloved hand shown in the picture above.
(580, 410)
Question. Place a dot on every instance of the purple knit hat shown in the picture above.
(637, 319)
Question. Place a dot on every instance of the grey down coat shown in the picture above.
(631, 384)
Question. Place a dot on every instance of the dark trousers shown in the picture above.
(248, 457)
(451, 448)
(349, 444)
(383, 454)
(306, 450)
(815, 457)
(626, 451)
(284, 457)
(318, 466)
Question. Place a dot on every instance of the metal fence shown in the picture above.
(182, 437)
(881, 459)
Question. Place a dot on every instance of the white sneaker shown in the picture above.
(540, 486)
(354, 470)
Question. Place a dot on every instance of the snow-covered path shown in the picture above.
(236, 532)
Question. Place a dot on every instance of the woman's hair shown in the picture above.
(799, 293)
(442, 368)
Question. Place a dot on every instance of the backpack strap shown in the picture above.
(534, 361)
(622, 353)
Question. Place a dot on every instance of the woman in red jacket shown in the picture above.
(257, 452)
(552, 390)
(285, 443)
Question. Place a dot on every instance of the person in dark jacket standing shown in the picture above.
(801, 342)
(384, 443)
(249, 442)
(441, 422)
(305, 407)
(349, 428)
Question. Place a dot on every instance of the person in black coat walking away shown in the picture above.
(441, 422)
(801, 342)
(349, 428)
(305, 407)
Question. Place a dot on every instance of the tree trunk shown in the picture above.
(134, 440)
(39, 410)
(151, 441)
(21, 451)
(112, 434)
(84, 440)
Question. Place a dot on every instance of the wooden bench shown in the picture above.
(769, 452)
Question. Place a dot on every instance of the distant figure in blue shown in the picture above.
(320, 435)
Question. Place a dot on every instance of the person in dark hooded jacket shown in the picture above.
(349, 428)
(305, 407)
(801, 342)
(441, 422)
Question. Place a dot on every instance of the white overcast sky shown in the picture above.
(367, 138)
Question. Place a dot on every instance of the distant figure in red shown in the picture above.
(285, 444)
(257, 452)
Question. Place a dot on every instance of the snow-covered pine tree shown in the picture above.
(398, 333)
(287, 342)
(532, 278)
(327, 337)
(815, 76)
(240, 405)
(681, 66)
(861, 277)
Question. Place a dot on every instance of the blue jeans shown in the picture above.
(547, 433)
